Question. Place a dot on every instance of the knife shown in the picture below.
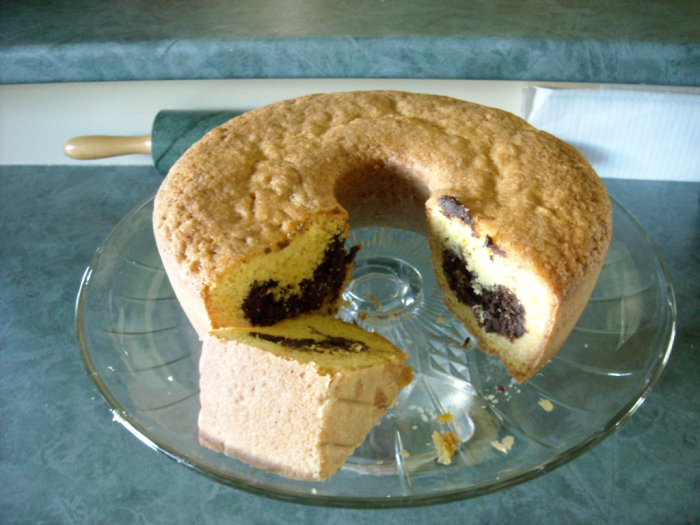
(172, 133)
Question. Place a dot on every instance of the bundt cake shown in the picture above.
(251, 222)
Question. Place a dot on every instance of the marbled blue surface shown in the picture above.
(63, 459)
(617, 41)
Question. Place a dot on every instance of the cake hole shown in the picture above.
(384, 286)
(381, 194)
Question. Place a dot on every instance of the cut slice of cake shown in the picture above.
(298, 397)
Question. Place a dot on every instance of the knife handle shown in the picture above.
(101, 146)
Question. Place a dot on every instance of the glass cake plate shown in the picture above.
(142, 354)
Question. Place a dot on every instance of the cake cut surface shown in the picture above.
(298, 397)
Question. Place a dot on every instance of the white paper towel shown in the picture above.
(630, 134)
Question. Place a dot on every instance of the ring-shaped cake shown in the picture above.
(251, 221)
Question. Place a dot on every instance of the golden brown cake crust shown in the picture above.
(258, 179)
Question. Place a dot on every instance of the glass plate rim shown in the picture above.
(490, 487)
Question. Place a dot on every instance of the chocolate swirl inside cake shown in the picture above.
(496, 308)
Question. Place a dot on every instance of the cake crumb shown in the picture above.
(446, 444)
(546, 404)
(404, 453)
(445, 418)
(376, 302)
(505, 445)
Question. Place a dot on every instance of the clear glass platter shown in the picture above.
(142, 354)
